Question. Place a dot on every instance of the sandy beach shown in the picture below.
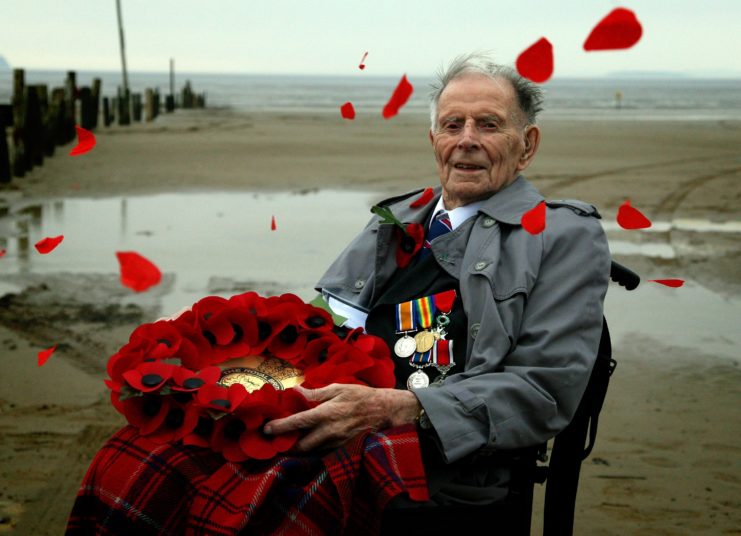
(667, 459)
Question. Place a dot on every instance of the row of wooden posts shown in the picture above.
(39, 122)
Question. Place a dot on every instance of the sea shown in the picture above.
(618, 98)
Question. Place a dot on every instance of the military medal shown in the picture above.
(424, 341)
(418, 380)
(424, 309)
(442, 358)
(406, 346)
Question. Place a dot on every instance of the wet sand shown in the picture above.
(667, 455)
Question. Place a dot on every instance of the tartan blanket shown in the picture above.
(134, 486)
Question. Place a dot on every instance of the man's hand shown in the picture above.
(346, 411)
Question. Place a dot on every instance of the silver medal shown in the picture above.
(417, 380)
(405, 347)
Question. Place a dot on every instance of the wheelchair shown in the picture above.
(559, 472)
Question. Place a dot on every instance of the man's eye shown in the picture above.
(490, 125)
(451, 126)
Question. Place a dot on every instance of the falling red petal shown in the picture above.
(399, 98)
(423, 199)
(619, 29)
(137, 273)
(536, 62)
(674, 283)
(47, 245)
(85, 142)
(44, 355)
(362, 62)
(3, 252)
(272, 224)
(533, 221)
(347, 111)
(631, 218)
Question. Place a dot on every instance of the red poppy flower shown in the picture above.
(123, 360)
(180, 420)
(337, 364)
(240, 437)
(252, 302)
(231, 331)
(216, 397)
(277, 316)
(146, 412)
(410, 242)
(267, 405)
(149, 376)
(187, 380)
(381, 372)
(159, 339)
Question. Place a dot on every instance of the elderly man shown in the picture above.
(523, 311)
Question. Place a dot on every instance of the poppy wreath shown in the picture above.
(165, 379)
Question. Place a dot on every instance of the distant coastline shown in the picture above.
(644, 94)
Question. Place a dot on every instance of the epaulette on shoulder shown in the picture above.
(396, 199)
(579, 207)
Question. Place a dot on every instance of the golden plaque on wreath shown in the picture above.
(255, 371)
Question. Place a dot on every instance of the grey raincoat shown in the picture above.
(534, 306)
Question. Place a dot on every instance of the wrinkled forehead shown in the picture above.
(477, 93)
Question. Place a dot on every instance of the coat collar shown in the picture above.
(506, 206)
(511, 202)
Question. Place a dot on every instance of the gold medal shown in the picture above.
(424, 340)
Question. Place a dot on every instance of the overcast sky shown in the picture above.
(329, 37)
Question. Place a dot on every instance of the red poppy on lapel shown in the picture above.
(410, 242)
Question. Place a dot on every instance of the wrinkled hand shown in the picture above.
(344, 412)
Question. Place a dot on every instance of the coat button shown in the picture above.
(475, 330)
(359, 284)
(480, 265)
(488, 222)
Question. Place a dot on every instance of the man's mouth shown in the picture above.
(468, 167)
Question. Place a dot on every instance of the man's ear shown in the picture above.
(532, 142)
(432, 138)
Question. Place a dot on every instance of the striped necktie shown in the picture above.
(439, 225)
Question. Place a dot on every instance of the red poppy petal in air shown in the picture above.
(536, 62)
(362, 62)
(273, 227)
(619, 29)
(533, 221)
(47, 245)
(631, 218)
(399, 98)
(137, 272)
(3, 252)
(423, 199)
(674, 283)
(44, 355)
(85, 143)
(347, 111)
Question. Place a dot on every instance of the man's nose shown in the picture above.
(469, 137)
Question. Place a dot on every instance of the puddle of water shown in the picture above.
(681, 224)
(691, 316)
(650, 249)
(193, 236)
(209, 241)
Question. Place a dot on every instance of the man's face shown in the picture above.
(481, 141)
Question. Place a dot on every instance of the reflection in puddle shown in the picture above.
(221, 243)
(208, 241)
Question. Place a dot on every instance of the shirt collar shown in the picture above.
(460, 214)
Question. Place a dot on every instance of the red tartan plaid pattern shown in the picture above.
(134, 486)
